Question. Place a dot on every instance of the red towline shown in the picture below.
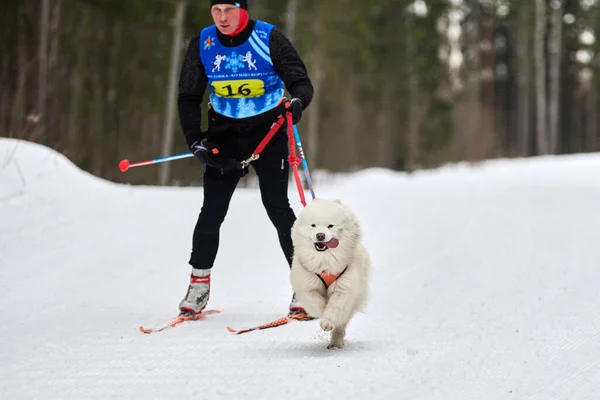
(273, 324)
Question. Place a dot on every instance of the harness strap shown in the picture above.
(293, 160)
(328, 278)
(263, 143)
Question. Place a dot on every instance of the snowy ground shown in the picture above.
(484, 288)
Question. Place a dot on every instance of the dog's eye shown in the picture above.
(330, 226)
(313, 225)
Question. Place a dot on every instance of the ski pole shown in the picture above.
(304, 164)
(124, 165)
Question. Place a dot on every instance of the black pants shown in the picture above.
(272, 169)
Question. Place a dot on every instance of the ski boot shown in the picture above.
(198, 293)
(298, 312)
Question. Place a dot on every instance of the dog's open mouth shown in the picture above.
(331, 244)
(320, 246)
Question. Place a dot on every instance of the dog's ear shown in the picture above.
(338, 201)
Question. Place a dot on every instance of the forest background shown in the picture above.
(399, 84)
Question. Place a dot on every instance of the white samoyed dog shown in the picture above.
(331, 268)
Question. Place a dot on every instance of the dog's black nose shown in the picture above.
(320, 236)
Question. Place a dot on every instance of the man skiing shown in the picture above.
(245, 64)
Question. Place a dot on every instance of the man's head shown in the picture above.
(226, 14)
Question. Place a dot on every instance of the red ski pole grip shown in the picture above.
(124, 165)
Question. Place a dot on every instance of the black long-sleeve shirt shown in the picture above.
(193, 80)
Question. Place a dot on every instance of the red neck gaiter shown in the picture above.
(244, 18)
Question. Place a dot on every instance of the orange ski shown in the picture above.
(178, 320)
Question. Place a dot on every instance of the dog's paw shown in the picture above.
(335, 345)
(326, 324)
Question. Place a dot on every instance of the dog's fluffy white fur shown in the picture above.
(320, 223)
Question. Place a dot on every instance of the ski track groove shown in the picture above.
(564, 386)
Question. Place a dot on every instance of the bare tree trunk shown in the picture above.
(351, 108)
(19, 100)
(53, 116)
(387, 149)
(412, 138)
(290, 20)
(591, 120)
(576, 128)
(488, 140)
(597, 134)
(55, 24)
(388, 130)
(312, 149)
(413, 123)
(555, 47)
(4, 99)
(76, 85)
(467, 113)
(311, 146)
(111, 116)
(165, 170)
(524, 84)
(75, 101)
(43, 66)
(97, 129)
(543, 145)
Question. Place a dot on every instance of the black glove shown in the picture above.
(296, 109)
(207, 153)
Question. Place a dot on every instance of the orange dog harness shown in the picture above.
(328, 278)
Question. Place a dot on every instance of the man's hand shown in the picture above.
(296, 109)
(206, 152)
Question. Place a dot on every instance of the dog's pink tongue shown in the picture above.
(333, 243)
